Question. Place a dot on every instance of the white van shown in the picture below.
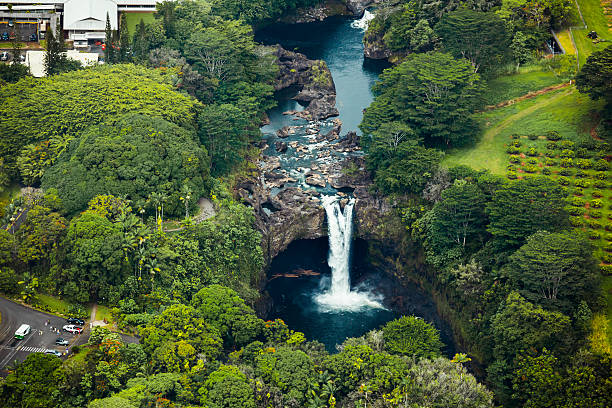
(22, 331)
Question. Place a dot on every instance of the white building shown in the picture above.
(83, 21)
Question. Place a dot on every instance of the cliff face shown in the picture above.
(314, 80)
(326, 9)
(374, 46)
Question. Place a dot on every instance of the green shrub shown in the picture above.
(597, 194)
(550, 162)
(581, 174)
(607, 258)
(552, 146)
(601, 165)
(601, 176)
(546, 171)
(582, 183)
(566, 172)
(512, 175)
(567, 153)
(600, 184)
(596, 203)
(576, 221)
(595, 214)
(515, 136)
(532, 136)
(584, 164)
(564, 181)
(511, 167)
(606, 270)
(578, 191)
(553, 135)
(608, 247)
(532, 160)
(532, 152)
(575, 211)
(608, 237)
(608, 227)
(515, 159)
(513, 150)
(594, 235)
(583, 153)
(567, 162)
(567, 144)
(530, 168)
(517, 143)
(593, 224)
(576, 202)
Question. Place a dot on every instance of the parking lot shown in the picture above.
(41, 338)
(19, 31)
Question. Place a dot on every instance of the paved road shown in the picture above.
(41, 338)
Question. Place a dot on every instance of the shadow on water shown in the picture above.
(294, 297)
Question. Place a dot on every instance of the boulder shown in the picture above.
(316, 180)
(280, 147)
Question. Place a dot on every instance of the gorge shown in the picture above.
(307, 205)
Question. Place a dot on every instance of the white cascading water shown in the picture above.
(339, 295)
(363, 22)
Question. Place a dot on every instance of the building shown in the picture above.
(83, 21)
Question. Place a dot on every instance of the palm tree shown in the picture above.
(185, 197)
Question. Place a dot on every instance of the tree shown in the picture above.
(479, 37)
(524, 207)
(140, 43)
(227, 388)
(223, 131)
(226, 311)
(34, 383)
(554, 270)
(595, 77)
(180, 322)
(133, 155)
(412, 336)
(125, 52)
(520, 325)
(459, 218)
(85, 98)
(433, 94)
(109, 50)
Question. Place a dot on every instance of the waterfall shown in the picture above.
(340, 228)
(363, 22)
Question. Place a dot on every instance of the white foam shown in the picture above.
(364, 21)
(339, 297)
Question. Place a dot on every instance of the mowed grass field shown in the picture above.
(595, 19)
(568, 112)
(133, 19)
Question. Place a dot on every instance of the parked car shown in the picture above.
(75, 320)
(54, 352)
(71, 328)
(4, 56)
(60, 341)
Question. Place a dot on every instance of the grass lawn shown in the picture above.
(565, 111)
(133, 19)
(103, 312)
(54, 305)
(566, 42)
(597, 21)
(529, 79)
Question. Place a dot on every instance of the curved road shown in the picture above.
(41, 338)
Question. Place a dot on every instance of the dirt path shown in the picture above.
(528, 95)
(206, 211)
